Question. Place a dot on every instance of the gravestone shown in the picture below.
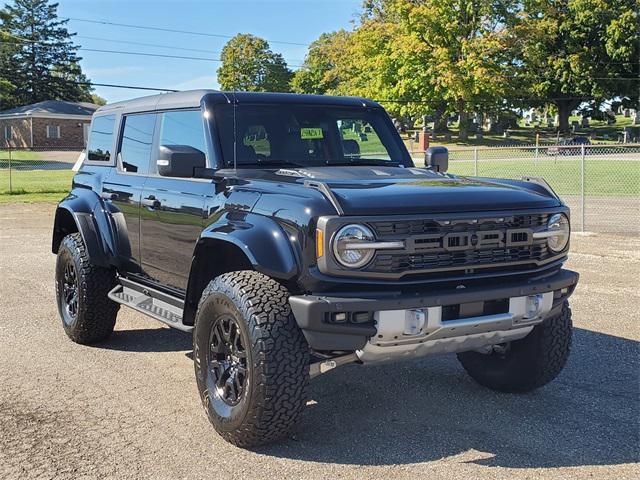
(627, 113)
(584, 122)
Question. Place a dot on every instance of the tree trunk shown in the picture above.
(463, 125)
(565, 107)
(440, 121)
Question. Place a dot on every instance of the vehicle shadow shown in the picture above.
(161, 339)
(430, 409)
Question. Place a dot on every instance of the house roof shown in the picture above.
(53, 107)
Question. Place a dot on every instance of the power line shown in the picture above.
(173, 30)
(157, 45)
(126, 52)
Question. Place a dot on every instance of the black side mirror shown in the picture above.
(437, 158)
(179, 160)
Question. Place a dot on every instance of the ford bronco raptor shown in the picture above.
(292, 234)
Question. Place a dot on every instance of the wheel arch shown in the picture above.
(252, 243)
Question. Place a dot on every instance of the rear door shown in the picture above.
(172, 212)
(123, 187)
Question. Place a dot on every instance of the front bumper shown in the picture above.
(311, 311)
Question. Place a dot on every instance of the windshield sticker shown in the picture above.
(311, 133)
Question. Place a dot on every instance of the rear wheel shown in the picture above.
(251, 359)
(526, 364)
(88, 315)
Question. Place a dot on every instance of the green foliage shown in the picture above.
(452, 55)
(248, 64)
(38, 60)
(579, 50)
(320, 72)
(97, 99)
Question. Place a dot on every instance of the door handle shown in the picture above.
(151, 202)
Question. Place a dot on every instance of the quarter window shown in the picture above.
(183, 128)
(137, 141)
(101, 138)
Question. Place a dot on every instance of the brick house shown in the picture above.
(48, 124)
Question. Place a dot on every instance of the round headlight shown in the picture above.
(559, 226)
(344, 241)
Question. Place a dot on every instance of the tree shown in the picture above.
(97, 99)
(576, 51)
(42, 63)
(320, 73)
(449, 55)
(248, 64)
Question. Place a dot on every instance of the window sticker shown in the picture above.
(311, 133)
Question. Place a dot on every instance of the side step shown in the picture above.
(151, 302)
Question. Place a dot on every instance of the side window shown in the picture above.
(183, 128)
(137, 141)
(101, 138)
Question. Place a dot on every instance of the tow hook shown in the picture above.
(324, 366)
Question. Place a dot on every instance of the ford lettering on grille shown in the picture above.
(470, 240)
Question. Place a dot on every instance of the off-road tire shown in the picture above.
(96, 313)
(528, 363)
(277, 358)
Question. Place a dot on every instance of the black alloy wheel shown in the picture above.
(227, 364)
(70, 292)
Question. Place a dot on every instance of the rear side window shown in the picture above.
(101, 138)
(137, 142)
(183, 128)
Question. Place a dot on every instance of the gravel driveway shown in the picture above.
(129, 408)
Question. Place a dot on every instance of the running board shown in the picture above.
(154, 303)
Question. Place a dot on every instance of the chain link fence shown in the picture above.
(601, 183)
(36, 171)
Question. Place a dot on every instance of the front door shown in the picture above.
(172, 212)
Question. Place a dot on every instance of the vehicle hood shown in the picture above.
(363, 190)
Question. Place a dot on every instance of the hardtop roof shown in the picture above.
(193, 98)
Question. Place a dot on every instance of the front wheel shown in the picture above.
(526, 364)
(251, 359)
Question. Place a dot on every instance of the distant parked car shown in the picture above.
(569, 146)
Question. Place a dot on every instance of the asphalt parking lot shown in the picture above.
(129, 408)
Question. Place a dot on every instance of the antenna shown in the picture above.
(235, 133)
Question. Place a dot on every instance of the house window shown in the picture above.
(8, 132)
(53, 131)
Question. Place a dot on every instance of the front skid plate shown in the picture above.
(435, 336)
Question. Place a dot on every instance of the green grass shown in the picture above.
(599, 131)
(31, 198)
(34, 185)
(602, 177)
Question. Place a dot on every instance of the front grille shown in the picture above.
(388, 262)
(420, 227)
(467, 245)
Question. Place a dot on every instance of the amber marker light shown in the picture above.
(319, 243)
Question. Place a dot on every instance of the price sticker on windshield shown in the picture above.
(311, 133)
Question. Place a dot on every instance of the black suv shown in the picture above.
(293, 234)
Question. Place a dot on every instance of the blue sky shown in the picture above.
(300, 21)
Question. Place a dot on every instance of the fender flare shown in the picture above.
(263, 240)
(87, 212)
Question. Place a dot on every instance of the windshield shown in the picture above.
(306, 136)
